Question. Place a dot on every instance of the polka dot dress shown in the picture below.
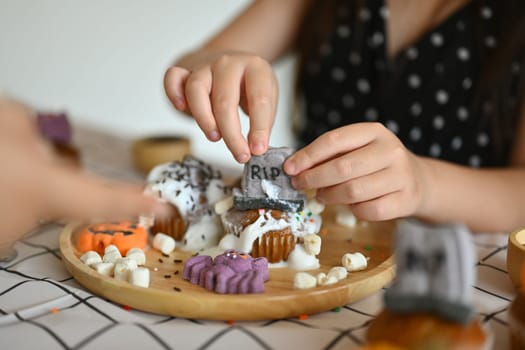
(424, 95)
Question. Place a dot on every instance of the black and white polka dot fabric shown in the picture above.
(424, 94)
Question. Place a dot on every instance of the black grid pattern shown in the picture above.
(41, 306)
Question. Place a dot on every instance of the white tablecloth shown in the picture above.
(42, 307)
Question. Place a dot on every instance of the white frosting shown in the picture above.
(215, 191)
(305, 222)
(202, 234)
(270, 189)
(244, 242)
(184, 184)
(178, 193)
(299, 259)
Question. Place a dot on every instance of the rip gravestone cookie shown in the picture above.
(266, 185)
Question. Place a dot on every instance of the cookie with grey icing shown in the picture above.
(266, 185)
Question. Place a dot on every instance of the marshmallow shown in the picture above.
(111, 254)
(146, 220)
(138, 255)
(139, 277)
(104, 268)
(324, 280)
(90, 258)
(164, 243)
(345, 217)
(354, 262)
(339, 272)
(315, 206)
(223, 205)
(123, 266)
(312, 244)
(303, 280)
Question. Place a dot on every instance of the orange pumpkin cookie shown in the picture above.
(125, 235)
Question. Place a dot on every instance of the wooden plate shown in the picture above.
(169, 294)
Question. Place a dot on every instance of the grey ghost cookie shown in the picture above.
(266, 185)
(435, 271)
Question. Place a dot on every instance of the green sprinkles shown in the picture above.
(368, 248)
(337, 309)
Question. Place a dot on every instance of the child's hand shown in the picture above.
(363, 165)
(34, 187)
(212, 92)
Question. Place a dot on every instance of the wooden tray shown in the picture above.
(176, 297)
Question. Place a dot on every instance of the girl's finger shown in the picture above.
(174, 82)
(198, 89)
(360, 162)
(261, 97)
(390, 206)
(362, 189)
(225, 96)
(331, 144)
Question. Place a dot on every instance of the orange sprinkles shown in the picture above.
(303, 317)
(54, 310)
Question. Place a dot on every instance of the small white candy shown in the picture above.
(303, 280)
(91, 258)
(164, 243)
(111, 248)
(315, 206)
(104, 268)
(138, 255)
(324, 280)
(345, 217)
(354, 262)
(111, 254)
(339, 272)
(146, 220)
(312, 244)
(123, 267)
(223, 205)
(139, 277)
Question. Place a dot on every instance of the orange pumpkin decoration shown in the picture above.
(125, 235)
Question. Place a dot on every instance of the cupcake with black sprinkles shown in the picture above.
(192, 187)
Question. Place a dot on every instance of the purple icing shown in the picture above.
(229, 273)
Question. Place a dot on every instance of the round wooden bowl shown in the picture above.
(516, 256)
(151, 151)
